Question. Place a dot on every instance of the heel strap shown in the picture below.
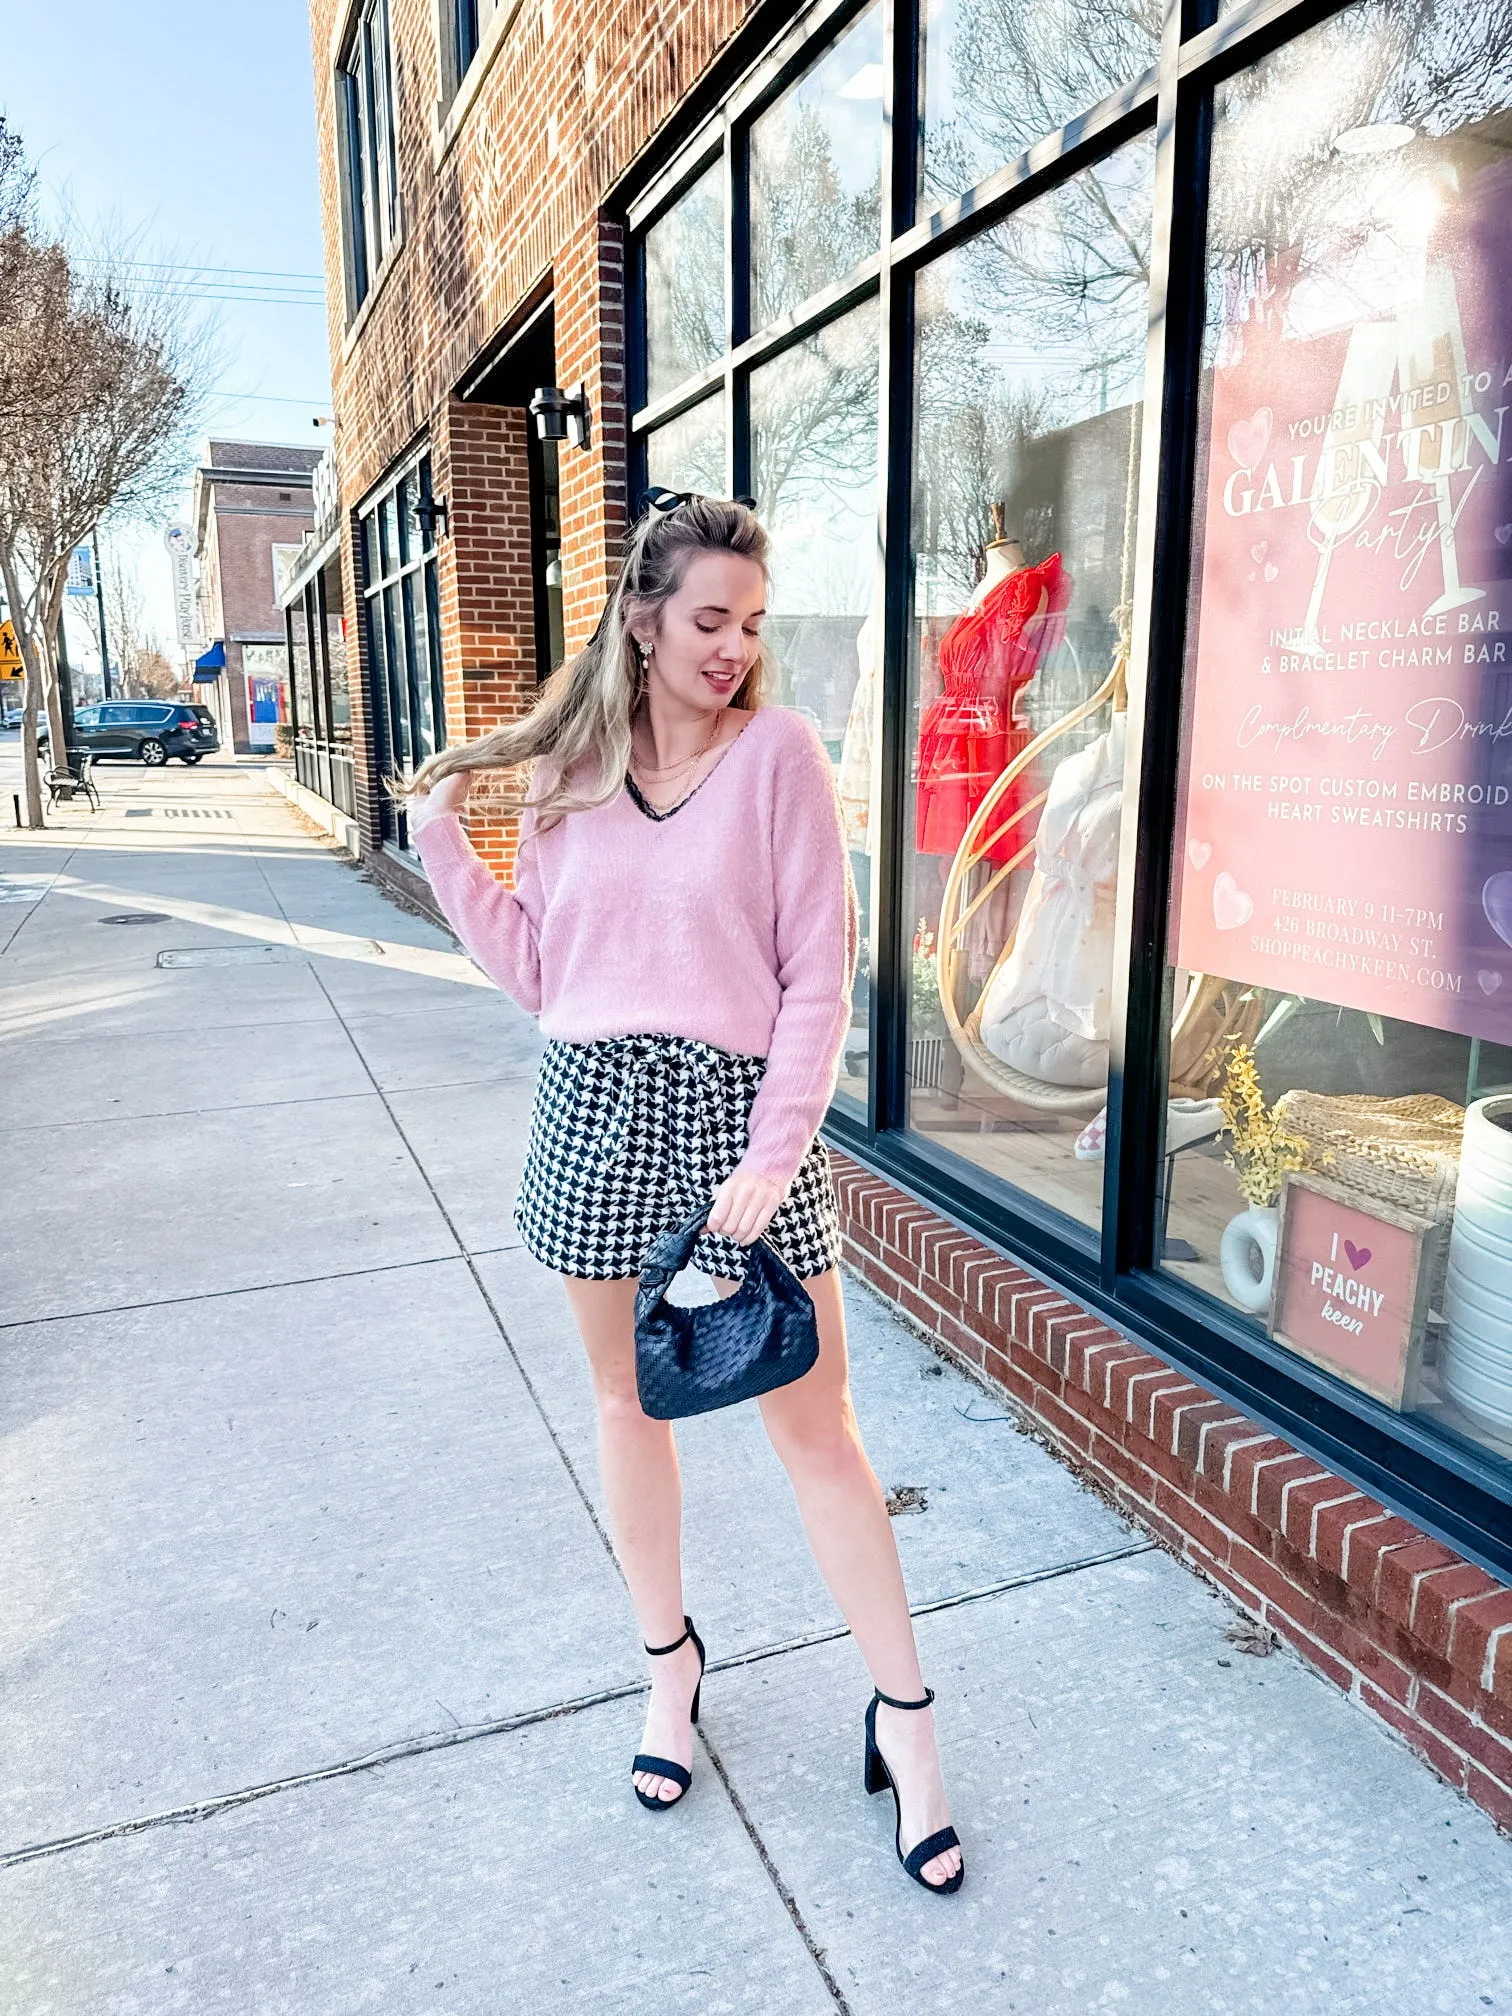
(660, 1651)
(889, 1702)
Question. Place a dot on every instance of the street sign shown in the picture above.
(10, 654)
(179, 540)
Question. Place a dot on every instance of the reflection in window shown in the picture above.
(814, 454)
(330, 608)
(300, 665)
(1001, 74)
(816, 175)
(688, 453)
(1341, 893)
(1031, 342)
(685, 286)
(404, 644)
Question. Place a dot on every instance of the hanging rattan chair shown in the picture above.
(1211, 1012)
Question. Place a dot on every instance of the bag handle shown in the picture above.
(673, 1250)
(670, 1254)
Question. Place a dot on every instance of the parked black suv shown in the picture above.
(149, 730)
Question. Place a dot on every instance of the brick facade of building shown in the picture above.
(237, 525)
(511, 197)
(496, 207)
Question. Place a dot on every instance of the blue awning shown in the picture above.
(212, 661)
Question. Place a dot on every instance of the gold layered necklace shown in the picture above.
(645, 770)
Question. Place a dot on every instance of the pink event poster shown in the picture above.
(1347, 827)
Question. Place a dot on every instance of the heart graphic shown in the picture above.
(1271, 570)
(1496, 901)
(1489, 979)
(1504, 535)
(1232, 906)
(1359, 1256)
(1199, 852)
(1258, 553)
(1249, 439)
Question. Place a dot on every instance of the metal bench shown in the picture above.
(66, 782)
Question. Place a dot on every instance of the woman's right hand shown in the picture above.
(447, 797)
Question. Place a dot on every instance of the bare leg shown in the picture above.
(638, 1463)
(812, 1427)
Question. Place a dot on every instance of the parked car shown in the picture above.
(149, 730)
(11, 717)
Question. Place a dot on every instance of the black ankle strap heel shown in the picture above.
(664, 1767)
(878, 1778)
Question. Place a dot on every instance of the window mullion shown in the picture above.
(1138, 1045)
(889, 964)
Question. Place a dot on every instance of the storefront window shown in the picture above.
(816, 175)
(1341, 923)
(1031, 343)
(999, 77)
(403, 632)
(334, 624)
(814, 455)
(1325, 765)
(685, 285)
(688, 453)
(301, 668)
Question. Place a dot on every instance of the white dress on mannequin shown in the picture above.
(855, 773)
(1046, 1012)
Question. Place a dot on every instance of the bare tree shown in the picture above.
(97, 389)
(138, 649)
(151, 676)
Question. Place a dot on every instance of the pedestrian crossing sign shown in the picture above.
(10, 655)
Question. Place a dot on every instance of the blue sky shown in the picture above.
(189, 124)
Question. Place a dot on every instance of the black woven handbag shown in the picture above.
(690, 1361)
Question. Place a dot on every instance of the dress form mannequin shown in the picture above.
(987, 657)
(1002, 556)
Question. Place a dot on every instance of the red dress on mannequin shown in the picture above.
(971, 732)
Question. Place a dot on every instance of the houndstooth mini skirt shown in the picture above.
(630, 1136)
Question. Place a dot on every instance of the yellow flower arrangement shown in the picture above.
(1264, 1153)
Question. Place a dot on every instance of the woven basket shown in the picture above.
(1400, 1152)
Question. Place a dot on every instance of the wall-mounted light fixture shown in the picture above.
(561, 416)
(432, 516)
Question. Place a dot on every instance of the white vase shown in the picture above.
(1478, 1297)
(1248, 1257)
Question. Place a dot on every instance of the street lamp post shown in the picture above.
(99, 575)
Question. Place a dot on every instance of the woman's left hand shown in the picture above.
(743, 1207)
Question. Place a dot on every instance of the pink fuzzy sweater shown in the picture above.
(733, 922)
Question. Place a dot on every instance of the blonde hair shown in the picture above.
(585, 707)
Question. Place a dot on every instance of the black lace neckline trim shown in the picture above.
(639, 798)
(649, 809)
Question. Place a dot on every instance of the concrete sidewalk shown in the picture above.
(320, 1686)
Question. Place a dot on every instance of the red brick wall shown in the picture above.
(1396, 1621)
(575, 93)
(590, 343)
(577, 90)
(245, 526)
(486, 581)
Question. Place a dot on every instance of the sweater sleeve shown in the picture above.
(816, 937)
(499, 927)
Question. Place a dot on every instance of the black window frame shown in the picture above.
(367, 154)
(390, 646)
(1453, 1490)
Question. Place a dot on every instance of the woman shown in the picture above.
(684, 925)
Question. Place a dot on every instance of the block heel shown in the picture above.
(878, 1778)
(665, 1767)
